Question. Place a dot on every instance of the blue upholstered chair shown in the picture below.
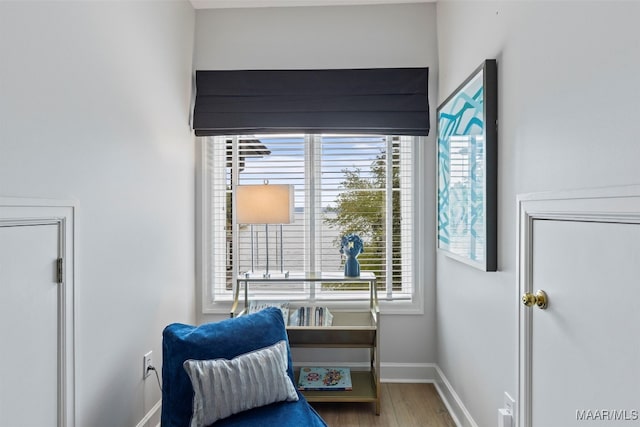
(228, 339)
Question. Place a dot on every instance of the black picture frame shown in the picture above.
(467, 129)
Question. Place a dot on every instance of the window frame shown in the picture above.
(414, 305)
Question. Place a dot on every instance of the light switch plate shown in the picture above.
(510, 404)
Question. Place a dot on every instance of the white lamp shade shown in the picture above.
(264, 204)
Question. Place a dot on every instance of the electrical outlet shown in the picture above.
(146, 362)
(510, 404)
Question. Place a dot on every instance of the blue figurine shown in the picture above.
(351, 246)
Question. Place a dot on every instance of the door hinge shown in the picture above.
(60, 270)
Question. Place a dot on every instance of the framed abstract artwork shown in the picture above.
(468, 170)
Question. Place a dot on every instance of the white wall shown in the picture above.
(341, 37)
(94, 107)
(568, 86)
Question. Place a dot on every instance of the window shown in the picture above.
(359, 184)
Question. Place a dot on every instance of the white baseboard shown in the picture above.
(429, 373)
(143, 422)
(458, 411)
(408, 372)
(417, 373)
(394, 373)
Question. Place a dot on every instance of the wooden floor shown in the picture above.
(402, 405)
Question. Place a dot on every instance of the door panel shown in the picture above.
(29, 326)
(585, 350)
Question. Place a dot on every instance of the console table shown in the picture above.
(350, 329)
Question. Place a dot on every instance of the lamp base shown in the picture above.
(276, 275)
(265, 275)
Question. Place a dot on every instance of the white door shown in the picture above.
(29, 325)
(580, 357)
(37, 312)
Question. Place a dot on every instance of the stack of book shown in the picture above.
(311, 316)
(256, 306)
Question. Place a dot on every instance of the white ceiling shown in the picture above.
(224, 4)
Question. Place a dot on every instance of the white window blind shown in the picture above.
(343, 184)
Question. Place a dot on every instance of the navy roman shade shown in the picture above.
(391, 101)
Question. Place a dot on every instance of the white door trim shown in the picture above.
(605, 205)
(17, 212)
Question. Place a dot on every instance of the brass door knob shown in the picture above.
(540, 299)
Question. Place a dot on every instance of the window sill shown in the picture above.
(394, 307)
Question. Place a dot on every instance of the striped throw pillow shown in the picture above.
(224, 387)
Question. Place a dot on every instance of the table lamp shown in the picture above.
(265, 204)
